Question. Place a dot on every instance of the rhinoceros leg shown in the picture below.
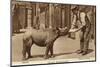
(51, 51)
(46, 52)
(49, 48)
(29, 52)
(27, 44)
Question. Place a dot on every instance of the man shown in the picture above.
(74, 21)
(84, 28)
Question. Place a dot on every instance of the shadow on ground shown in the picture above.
(60, 54)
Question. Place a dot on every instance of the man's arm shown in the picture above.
(82, 20)
(73, 22)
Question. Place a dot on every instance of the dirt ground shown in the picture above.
(64, 48)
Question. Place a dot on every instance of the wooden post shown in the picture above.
(63, 17)
(29, 16)
(51, 10)
(68, 16)
(37, 9)
(33, 15)
(47, 17)
(25, 17)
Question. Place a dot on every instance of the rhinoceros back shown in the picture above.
(41, 37)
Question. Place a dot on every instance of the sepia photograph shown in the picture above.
(49, 33)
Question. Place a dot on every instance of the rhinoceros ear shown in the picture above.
(66, 27)
(57, 28)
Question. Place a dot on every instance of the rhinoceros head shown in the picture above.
(62, 31)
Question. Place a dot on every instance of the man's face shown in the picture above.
(76, 11)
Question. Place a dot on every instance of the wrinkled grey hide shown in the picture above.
(42, 38)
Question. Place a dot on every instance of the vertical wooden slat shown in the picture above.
(25, 17)
(50, 15)
(68, 16)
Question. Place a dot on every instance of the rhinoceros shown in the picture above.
(42, 38)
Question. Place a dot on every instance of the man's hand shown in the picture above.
(72, 30)
(75, 29)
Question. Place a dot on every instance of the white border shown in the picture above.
(52, 61)
(5, 33)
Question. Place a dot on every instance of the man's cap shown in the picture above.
(75, 8)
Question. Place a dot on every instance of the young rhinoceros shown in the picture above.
(42, 38)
